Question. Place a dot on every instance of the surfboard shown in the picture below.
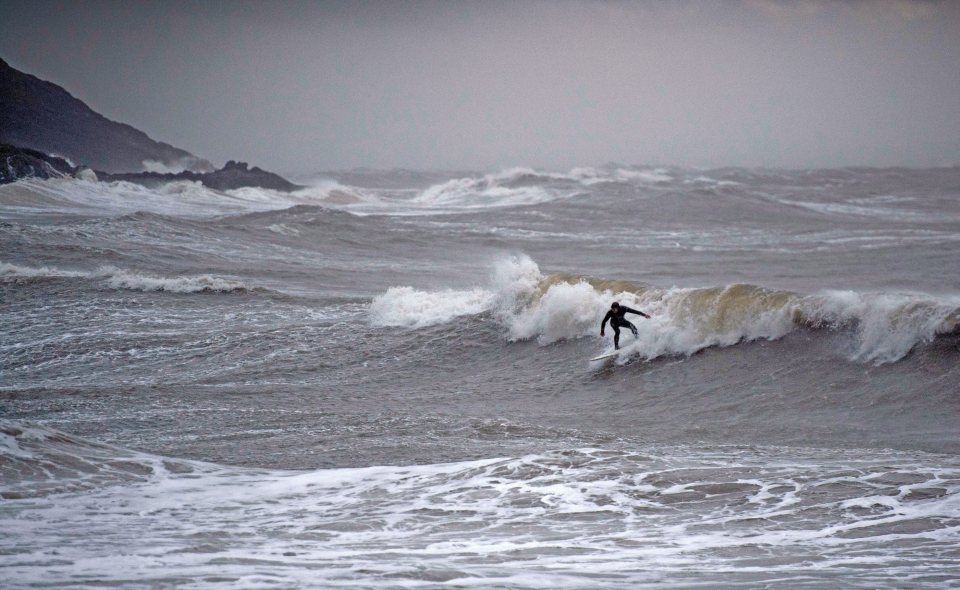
(606, 356)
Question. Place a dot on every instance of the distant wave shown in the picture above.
(12, 273)
(885, 326)
(509, 188)
(118, 278)
(590, 176)
(491, 190)
(886, 207)
(526, 186)
(122, 279)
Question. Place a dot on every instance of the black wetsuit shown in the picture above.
(617, 321)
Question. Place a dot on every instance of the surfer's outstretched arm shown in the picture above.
(636, 311)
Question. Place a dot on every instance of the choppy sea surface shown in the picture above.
(383, 381)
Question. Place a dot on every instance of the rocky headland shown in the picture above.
(46, 132)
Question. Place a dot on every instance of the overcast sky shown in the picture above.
(301, 87)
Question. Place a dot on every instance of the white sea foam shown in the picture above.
(412, 308)
(563, 311)
(535, 521)
(514, 279)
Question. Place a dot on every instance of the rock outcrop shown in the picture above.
(232, 175)
(17, 163)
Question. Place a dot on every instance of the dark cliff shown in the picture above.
(42, 116)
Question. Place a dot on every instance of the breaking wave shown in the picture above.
(411, 308)
(530, 305)
(118, 278)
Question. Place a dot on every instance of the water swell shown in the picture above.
(37, 461)
(884, 327)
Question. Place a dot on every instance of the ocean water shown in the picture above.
(382, 381)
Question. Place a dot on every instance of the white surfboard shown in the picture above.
(606, 356)
(632, 344)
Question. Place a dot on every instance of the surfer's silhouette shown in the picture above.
(615, 315)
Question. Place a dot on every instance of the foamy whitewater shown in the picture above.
(382, 381)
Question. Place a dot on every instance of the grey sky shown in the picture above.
(308, 86)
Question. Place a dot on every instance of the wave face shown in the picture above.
(884, 327)
(383, 380)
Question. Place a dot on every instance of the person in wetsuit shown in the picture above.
(615, 315)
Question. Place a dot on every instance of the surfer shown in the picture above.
(615, 315)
